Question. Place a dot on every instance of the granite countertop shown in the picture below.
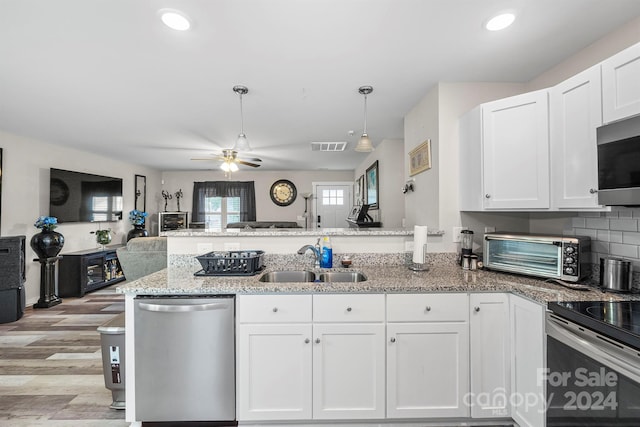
(295, 232)
(394, 279)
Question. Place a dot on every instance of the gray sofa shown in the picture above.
(142, 256)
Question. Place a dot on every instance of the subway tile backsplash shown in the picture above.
(614, 233)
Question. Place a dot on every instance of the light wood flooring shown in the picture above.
(51, 365)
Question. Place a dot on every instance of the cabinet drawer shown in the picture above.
(274, 308)
(428, 308)
(348, 308)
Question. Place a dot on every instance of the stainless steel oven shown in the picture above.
(593, 364)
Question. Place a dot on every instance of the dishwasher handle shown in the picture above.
(185, 308)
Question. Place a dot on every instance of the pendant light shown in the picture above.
(242, 143)
(364, 144)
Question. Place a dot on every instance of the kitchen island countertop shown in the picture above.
(392, 279)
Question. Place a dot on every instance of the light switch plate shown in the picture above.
(456, 237)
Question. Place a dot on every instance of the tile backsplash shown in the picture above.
(615, 233)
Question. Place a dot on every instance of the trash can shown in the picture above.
(113, 364)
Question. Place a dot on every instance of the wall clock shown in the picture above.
(283, 192)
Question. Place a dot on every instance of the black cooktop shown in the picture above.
(619, 320)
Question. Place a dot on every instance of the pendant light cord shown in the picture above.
(241, 116)
(365, 114)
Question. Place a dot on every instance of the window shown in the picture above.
(332, 197)
(218, 203)
(220, 211)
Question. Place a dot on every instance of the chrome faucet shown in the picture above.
(315, 249)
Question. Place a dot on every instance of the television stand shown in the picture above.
(88, 270)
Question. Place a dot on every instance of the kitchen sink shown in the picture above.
(342, 276)
(288, 276)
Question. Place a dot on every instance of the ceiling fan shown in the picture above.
(230, 160)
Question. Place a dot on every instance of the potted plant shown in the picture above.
(137, 219)
(47, 243)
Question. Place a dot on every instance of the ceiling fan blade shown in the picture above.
(242, 162)
(250, 159)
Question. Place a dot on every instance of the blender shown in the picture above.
(467, 244)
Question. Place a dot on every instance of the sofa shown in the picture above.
(142, 256)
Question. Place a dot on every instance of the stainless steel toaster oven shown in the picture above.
(558, 257)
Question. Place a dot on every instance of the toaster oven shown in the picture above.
(548, 256)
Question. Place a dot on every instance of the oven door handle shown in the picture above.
(587, 345)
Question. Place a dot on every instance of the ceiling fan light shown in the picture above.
(364, 144)
(175, 20)
(242, 143)
(225, 166)
(233, 167)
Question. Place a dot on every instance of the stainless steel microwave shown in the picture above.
(556, 257)
(619, 163)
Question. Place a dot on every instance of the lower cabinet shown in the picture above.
(427, 355)
(527, 361)
(490, 355)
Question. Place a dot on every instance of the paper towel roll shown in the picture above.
(419, 243)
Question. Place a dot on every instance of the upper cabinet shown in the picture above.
(621, 85)
(504, 149)
(575, 113)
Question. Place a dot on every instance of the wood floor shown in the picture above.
(51, 365)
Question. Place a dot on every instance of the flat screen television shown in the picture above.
(83, 197)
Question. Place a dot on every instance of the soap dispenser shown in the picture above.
(326, 261)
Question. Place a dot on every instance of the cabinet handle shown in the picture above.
(593, 191)
(275, 309)
(307, 341)
(427, 308)
(393, 340)
(348, 308)
(317, 340)
(476, 309)
(487, 196)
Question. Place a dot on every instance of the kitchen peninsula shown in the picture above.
(369, 350)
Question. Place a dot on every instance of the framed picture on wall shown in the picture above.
(420, 158)
(372, 177)
(358, 193)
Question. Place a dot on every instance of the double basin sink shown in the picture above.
(310, 276)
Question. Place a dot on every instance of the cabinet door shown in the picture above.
(348, 371)
(427, 370)
(515, 134)
(490, 355)
(527, 361)
(576, 112)
(274, 372)
(621, 85)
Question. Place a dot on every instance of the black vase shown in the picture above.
(137, 231)
(47, 243)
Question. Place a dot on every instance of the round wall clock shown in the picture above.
(283, 192)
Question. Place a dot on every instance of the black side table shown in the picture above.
(48, 282)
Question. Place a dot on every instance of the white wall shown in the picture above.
(266, 210)
(389, 154)
(25, 195)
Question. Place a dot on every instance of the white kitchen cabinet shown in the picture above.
(528, 350)
(621, 85)
(575, 113)
(348, 356)
(427, 355)
(490, 355)
(274, 372)
(274, 357)
(348, 371)
(504, 154)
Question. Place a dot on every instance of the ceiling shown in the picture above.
(107, 76)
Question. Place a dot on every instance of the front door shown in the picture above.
(333, 204)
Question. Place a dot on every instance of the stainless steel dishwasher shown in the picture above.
(185, 358)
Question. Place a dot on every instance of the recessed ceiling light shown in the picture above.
(175, 19)
(500, 22)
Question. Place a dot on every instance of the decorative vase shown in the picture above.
(137, 231)
(47, 243)
(103, 237)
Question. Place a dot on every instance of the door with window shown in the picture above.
(333, 204)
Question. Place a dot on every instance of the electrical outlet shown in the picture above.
(455, 234)
(489, 229)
